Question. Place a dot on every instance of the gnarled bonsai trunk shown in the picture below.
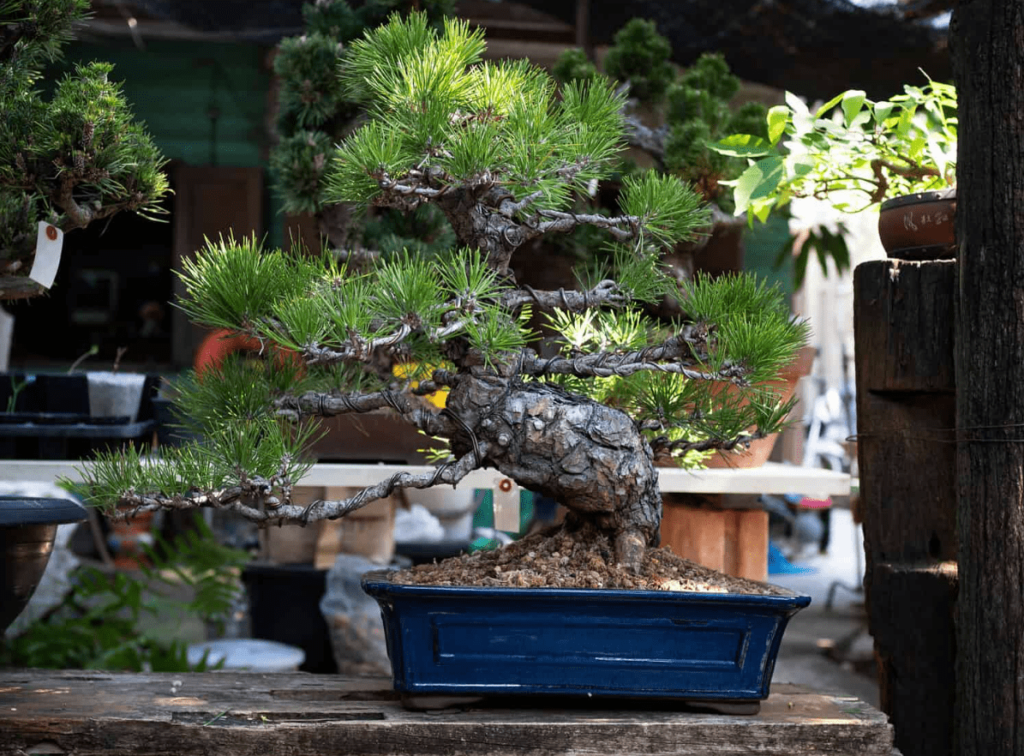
(589, 457)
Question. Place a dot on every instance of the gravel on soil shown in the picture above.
(580, 559)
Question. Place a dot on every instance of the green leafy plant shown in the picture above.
(73, 159)
(852, 152)
(99, 623)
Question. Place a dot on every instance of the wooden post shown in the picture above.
(906, 414)
(988, 62)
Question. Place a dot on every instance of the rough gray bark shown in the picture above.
(583, 454)
(485, 216)
(987, 38)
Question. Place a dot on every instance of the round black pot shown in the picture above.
(27, 531)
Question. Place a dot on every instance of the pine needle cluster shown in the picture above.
(316, 112)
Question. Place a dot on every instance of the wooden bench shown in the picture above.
(226, 713)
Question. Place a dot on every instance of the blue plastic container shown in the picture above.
(461, 641)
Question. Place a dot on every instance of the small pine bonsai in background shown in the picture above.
(71, 159)
(502, 156)
(694, 105)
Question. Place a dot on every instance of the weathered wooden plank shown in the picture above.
(911, 610)
(907, 457)
(232, 713)
(903, 325)
(906, 417)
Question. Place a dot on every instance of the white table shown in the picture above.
(772, 478)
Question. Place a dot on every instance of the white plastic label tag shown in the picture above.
(49, 242)
(6, 334)
(506, 505)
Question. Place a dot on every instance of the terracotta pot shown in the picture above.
(919, 226)
(759, 451)
(126, 539)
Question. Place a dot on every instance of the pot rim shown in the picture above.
(939, 195)
(379, 584)
(26, 510)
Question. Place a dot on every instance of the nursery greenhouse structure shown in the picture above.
(507, 377)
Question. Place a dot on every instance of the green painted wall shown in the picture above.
(175, 86)
(761, 245)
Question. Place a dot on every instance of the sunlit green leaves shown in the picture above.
(744, 145)
(853, 152)
(778, 117)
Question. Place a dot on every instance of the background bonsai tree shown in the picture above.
(693, 107)
(69, 160)
(492, 147)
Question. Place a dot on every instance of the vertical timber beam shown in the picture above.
(906, 412)
(987, 42)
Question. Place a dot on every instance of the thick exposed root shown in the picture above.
(587, 456)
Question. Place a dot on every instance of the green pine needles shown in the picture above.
(318, 110)
(504, 156)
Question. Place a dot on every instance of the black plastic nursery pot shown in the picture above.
(481, 641)
(28, 528)
(284, 606)
(50, 418)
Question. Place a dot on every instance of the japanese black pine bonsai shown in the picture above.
(501, 154)
(68, 159)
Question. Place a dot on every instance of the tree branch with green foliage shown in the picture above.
(72, 160)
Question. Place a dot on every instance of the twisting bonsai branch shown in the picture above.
(252, 499)
(318, 404)
(605, 293)
(485, 216)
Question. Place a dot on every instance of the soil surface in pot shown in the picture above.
(581, 559)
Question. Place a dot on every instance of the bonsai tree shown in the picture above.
(69, 160)
(852, 152)
(492, 147)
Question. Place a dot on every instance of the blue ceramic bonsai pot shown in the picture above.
(472, 641)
